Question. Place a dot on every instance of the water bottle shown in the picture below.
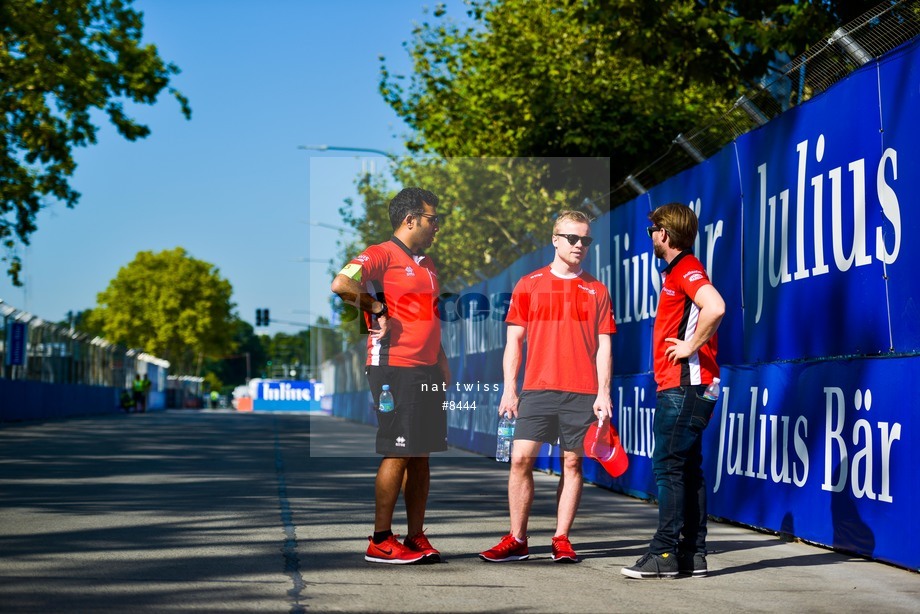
(386, 400)
(505, 435)
(712, 391)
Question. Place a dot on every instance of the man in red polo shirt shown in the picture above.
(396, 286)
(566, 317)
(684, 348)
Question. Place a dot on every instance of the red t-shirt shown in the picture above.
(677, 317)
(562, 318)
(408, 284)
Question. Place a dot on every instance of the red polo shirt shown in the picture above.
(563, 317)
(677, 317)
(408, 284)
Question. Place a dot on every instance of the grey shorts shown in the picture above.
(548, 415)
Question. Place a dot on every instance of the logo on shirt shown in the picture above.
(535, 276)
(362, 258)
(400, 442)
(587, 289)
(696, 277)
(410, 272)
(669, 291)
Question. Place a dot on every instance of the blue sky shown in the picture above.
(231, 185)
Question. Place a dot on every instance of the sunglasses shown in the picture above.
(435, 218)
(573, 239)
(653, 229)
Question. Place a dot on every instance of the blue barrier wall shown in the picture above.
(803, 229)
(30, 400)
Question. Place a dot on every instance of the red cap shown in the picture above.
(606, 441)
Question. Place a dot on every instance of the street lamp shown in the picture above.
(330, 226)
(337, 148)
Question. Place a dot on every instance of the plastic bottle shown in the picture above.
(386, 400)
(712, 391)
(505, 436)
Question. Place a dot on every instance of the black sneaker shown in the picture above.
(653, 566)
(692, 564)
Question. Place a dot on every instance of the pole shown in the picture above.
(335, 148)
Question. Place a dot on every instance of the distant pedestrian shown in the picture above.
(684, 354)
(147, 385)
(566, 317)
(396, 286)
(138, 389)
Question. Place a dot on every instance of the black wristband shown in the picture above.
(383, 312)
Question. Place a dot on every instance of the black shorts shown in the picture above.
(418, 424)
(548, 415)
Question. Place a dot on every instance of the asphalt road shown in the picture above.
(225, 512)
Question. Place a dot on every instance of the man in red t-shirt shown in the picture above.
(566, 317)
(396, 286)
(684, 351)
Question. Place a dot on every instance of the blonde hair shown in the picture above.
(570, 216)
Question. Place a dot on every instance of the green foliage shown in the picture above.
(494, 210)
(616, 78)
(171, 305)
(299, 351)
(248, 351)
(59, 62)
(212, 381)
(83, 322)
(554, 99)
(287, 349)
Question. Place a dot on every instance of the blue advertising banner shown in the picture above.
(15, 344)
(286, 395)
(823, 451)
(713, 191)
(626, 266)
(897, 185)
(812, 181)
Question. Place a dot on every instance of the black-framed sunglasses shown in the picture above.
(573, 239)
(653, 229)
(434, 218)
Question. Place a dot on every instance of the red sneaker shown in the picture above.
(391, 551)
(563, 551)
(420, 543)
(508, 549)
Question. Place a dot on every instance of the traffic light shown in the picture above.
(262, 317)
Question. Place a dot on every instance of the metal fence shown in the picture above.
(866, 38)
(57, 354)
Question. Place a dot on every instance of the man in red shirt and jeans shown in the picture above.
(566, 316)
(684, 352)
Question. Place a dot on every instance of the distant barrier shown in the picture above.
(51, 371)
(803, 229)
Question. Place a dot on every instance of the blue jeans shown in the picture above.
(681, 415)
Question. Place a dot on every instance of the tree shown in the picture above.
(59, 63)
(171, 305)
(494, 210)
(246, 359)
(615, 78)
